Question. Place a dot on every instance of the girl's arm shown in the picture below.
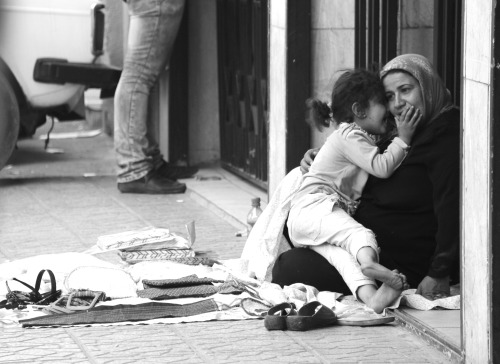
(360, 150)
(383, 165)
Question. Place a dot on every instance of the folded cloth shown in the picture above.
(191, 280)
(135, 256)
(190, 286)
(129, 239)
(177, 292)
(195, 261)
(118, 313)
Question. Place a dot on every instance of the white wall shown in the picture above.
(204, 138)
(417, 27)
(332, 49)
(277, 92)
(476, 181)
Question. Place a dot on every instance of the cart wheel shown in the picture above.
(9, 120)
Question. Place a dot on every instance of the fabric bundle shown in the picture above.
(153, 244)
(136, 256)
(189, 286)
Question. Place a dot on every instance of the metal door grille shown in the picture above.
(448, 44)
(242, 34)
(376, 32)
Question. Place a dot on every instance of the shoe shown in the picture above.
(174, 172)
(152, 184)
(310, 316)
(277, 316)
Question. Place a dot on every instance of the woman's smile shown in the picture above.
(402, 91)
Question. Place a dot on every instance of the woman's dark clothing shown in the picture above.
(308, 267)
(414, 213)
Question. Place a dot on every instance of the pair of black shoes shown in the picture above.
(161, 181)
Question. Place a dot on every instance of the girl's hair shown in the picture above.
(357, 85)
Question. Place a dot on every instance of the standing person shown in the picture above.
(415, 212)
(320, 213)
(152, 31)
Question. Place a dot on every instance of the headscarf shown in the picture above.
(436, 98)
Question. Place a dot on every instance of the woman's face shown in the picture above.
(402, 90)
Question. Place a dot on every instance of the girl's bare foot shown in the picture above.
(382, 298)
(377, 271)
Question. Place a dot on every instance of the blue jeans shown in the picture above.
(152, 31)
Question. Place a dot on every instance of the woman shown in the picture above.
(415, 212)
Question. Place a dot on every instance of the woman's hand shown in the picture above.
(306, 162)
(407, 123)
(433, 288)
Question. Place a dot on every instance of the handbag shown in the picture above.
(20, 299)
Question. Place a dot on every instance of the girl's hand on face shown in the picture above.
(407, 123)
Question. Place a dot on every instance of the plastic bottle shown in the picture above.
(254, 213)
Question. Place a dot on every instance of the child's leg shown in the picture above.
(368, 259)
(361, 286)
(377, 299)
(346, 265)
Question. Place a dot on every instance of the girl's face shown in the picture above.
(402, 90)
(375, 121)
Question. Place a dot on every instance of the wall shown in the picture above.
(476, 181)
(416, 22)
(277, 92)
(204, 141)
(332, 49)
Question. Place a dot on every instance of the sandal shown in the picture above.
(276, 317)
(310, 316)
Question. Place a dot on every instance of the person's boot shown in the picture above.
(154, 184)
(174, 172)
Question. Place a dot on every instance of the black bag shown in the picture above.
(19, 299)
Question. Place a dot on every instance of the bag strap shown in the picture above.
(39, 282)
(18, 280)
(52, 281)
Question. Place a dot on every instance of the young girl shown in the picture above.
(320, 215)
